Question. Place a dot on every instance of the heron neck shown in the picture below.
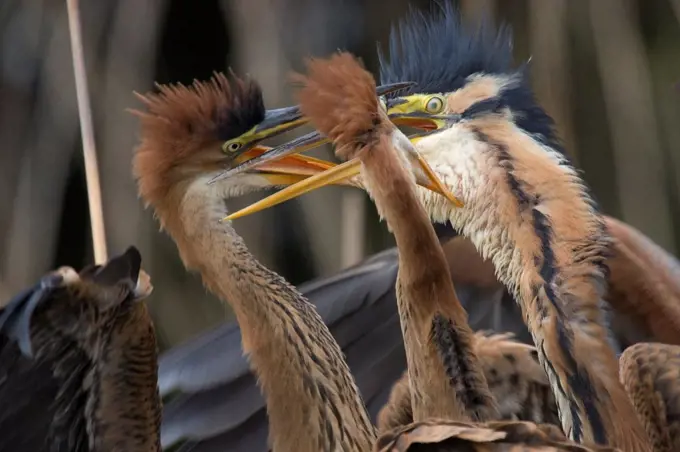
(444, 370)
(312, 401)
(529, 212)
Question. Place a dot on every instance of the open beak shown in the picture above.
(403, 111)
(336, 174)
(400, 111)
(277, 122)
(288, 170)
(314, 173)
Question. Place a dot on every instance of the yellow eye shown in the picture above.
(434, 105)
(232, 147)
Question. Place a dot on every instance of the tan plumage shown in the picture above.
(527, 210)
(312, 401)
(445, 374)
(650, 373)
(553, 262)
(641, 285)
(526, 207)
(337, 98)
(515, 378)
(644, 285)
(96, 336)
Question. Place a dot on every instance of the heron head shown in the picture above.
(199, 131)
(461, 83)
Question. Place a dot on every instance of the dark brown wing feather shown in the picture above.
(42, 369)
(27, 393)
(34, 371)
(644, 287)
(650, 374)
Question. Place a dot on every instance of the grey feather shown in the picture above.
(15, 319)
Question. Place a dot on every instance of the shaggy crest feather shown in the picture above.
(339, 97)
(183, 120)
(439, 52)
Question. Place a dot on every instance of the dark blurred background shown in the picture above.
(606, 70)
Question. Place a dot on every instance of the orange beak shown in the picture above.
(315, 177)
(288, 170)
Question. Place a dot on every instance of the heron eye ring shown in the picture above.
(233, 147)
(434, 105)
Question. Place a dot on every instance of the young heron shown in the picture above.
(182, 136)
(79, 362)
(337, 96)
(525, 207)
(445, 374)
(210, 365)
(312, 400)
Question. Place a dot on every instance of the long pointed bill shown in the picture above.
(277, 122)
(430, 123)
(289, 170)
(337, 175)
(299, 145)
(270, 157)
(434, 183)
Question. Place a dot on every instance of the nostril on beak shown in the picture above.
(391, 103)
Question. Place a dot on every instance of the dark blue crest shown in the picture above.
(438, 52)
(245, 109)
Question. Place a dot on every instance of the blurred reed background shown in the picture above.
(607, 70)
